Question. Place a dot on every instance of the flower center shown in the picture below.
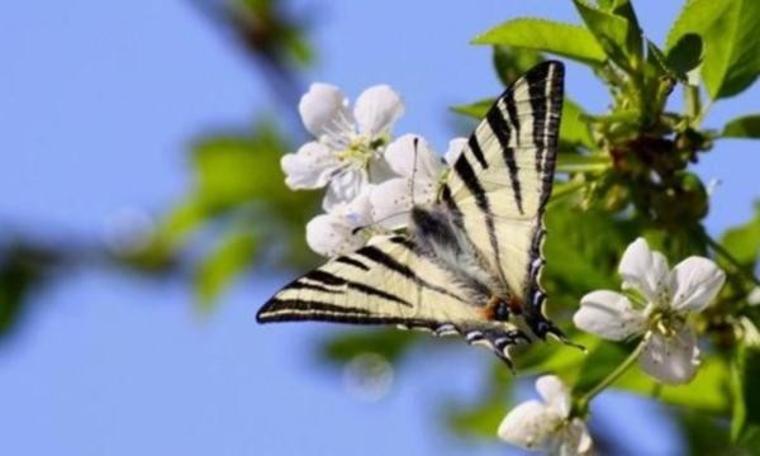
(360, 149)
(665, 321)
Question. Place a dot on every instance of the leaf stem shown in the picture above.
(581, 404)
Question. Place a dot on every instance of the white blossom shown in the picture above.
(546, 425)
(346, 153)
(419, 173)
(340, 230)
(660, 303)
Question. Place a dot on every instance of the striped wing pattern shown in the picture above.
(495, 194)
(502, 180)
(387, 282)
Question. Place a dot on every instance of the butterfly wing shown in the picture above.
(389, 282)
(501, 182)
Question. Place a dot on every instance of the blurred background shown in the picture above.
(135, 139)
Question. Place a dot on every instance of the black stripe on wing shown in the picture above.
(280, 310)
(501, 130)
(477, 151)
(465, 172)
(546, 90)
(378, 256)
(514, 118)
(352, 262)
(330, 280)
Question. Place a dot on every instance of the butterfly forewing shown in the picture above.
(384, 282)
(503, 179)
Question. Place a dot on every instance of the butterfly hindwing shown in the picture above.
(389, 282)
(502, 181)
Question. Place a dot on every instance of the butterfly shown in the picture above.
(470, 263)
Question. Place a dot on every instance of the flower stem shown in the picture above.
(581, 404)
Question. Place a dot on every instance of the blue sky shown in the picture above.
(97, 103)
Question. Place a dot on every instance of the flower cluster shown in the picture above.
(656, 304)
(371, 180)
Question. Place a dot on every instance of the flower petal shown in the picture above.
(324, 112)
(574, 439)
(672, 360)
(456, 146)
(529, 425)
(645, 270)
(378, 169)
(332, 234)
(344, 188)
(358, 213)
(377, 108)
(554, 393)
(695, 282)
(609, 315)
(411, 156)
(391, 202)
(310, 167)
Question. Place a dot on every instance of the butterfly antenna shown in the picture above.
(414, 166)
(364, 227)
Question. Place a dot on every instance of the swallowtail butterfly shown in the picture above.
(471, 262)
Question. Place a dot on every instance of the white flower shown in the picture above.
(420, 172)
(547, 425)
(663, 301)
(338, 231)
(346, 153)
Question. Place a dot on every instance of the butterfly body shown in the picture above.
(470, 263)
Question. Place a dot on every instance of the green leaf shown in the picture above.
(619, 37)
(743, 127)
(475, 110)
(574, 129)
(706, 392)
(235, 169)
(234, 254)
(557, 38)
(743, 242)
(511, 63)
(583, 256)
(634, 38)
(686, 54)
(481, 420)
(732, 45)
(697, 16)
(172, 233)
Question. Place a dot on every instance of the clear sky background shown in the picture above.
(98, 101)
